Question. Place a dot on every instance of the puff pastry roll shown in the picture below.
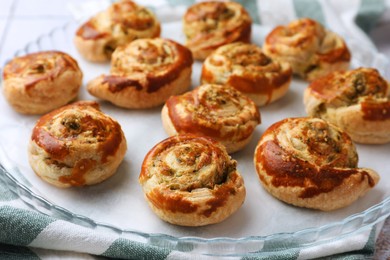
(357, 101)
(123, 22)
(217, 111)
(76, 145)
(311, 50)
(245, 67)
(209, 25)
(191, 181)
(40, 82)
(144, 74)
(308, 162)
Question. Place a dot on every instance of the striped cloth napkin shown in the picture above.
(25, 233)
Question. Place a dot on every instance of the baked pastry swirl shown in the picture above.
(123, 22)
(145, 73)
(217, 111)
(357, 101)
(311, 50)
(245, 67)
(310, 163)
(209, 25)
(191, 181)
(40, 82)
(76, 145)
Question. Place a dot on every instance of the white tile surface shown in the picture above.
(21, 32)
(3, 21)
(5, 7)
(43, 7)
(2, 39)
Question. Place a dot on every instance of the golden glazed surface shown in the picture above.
(209, 25)
(217, 111)
(191, 181)
(311, 50)
(76, 145)
(144, 74)
(310, 163)
(246, 68)
(40, 82)
(357, 101)
(124, 21)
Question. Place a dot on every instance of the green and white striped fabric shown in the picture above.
(26, 233)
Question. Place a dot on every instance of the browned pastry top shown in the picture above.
(180, 166)
(312, 50)
(308, 35)
(208, 25)
(123, 15)
(214, 110)
(310, 154)
(35, 67)
(247, 68)
(147, 64)
(364, 86)
(74, 131)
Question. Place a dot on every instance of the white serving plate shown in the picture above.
(118, 204)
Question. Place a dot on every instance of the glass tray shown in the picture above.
(117, 205)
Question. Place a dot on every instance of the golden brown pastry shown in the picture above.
(357, 101)
(209, 25)
(191, 181)
(40, 82)
(217, 111)
(311, 50)
(144, 74)
(76, 145)
(245, 67)
(123, 22)
(310, 163)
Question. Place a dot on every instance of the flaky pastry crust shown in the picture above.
(357, 101)
(311, 50)
(217, 111)
(209, 25)
(76, 145)
(191, 181)
(121, 23)
(310, 163)
(144, 74)
(40, 82)
(245, 67)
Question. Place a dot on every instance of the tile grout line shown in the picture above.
(8, 21)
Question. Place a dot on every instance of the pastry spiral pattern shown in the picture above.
(217, 111)
(121, 23)
(311, 50)
(245, 67)
(310, 163)
(209, 25)
(357, 101)
(40, 82)
(191, 181)
(76, 145)
(145, 73)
